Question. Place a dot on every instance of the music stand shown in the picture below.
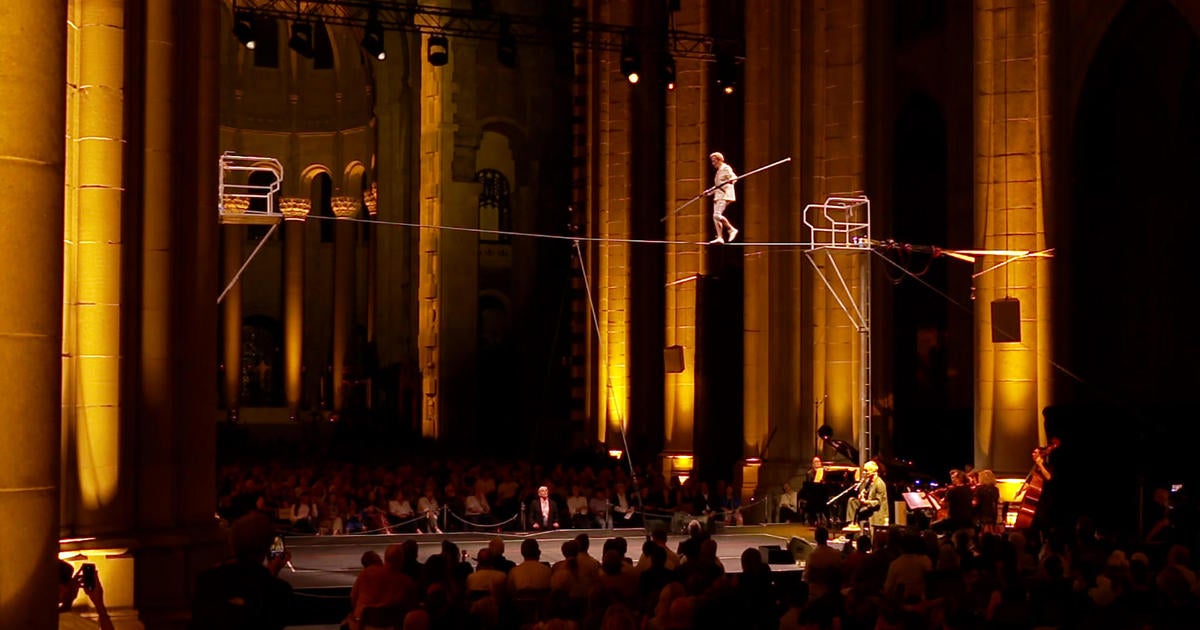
(919, 501)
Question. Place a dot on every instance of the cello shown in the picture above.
(1031, 490)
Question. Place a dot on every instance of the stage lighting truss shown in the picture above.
(399, 15)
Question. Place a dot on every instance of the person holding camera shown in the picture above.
(245, 592)
(69, 584)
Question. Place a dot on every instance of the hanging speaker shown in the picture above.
(673, 359)
(1006, 320)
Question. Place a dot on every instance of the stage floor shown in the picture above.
(332, 562)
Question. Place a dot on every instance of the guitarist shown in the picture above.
(871, 502)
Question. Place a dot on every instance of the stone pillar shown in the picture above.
(371, 201)
(612, 192)
(775, 389)
(1012, 166)
(436, 152)
(834, 51)
(31, 230)
(158, 370)
(295, 210)
(687, 174)
(176, 535)
(779, 415)
(344, 246)
(93, 238)
(232, 258)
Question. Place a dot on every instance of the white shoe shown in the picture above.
(733, 232)
(716, 241)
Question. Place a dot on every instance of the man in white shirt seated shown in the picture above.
(478, 510)
(578, 510)
(428, 506)
(789, 506)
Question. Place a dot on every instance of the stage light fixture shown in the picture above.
(726, 73)
(438, 50)
(631, 61)
(302, 39)
(372, 40)
(243, 29)
(669, 73)
(506, 47)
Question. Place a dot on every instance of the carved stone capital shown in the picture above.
(345, 207)
(371, 199)
(295, 208)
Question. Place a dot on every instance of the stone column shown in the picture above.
(687, 174)
(436, 152)
(158, 370)
(94, 237)
(611, 189)
(776, 385)
(371, 200)
(232, 257)
(295, 210)
(834, 50)
(31, 230)
(1012, 166)
(344, 246)
(176, 535)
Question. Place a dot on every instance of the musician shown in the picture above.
(816, 474)
(987, 504)
(871, 503)
(1046, 516)
(814, 493)
(960, 505)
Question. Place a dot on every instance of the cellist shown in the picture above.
(1033, 509)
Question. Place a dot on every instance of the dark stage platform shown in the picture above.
(325, 566)
(332, 562)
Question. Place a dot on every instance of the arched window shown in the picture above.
(495, 213)
(260, 179)
(323, 205)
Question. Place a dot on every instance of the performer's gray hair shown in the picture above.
(716, 154)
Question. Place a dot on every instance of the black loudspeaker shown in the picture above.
(673, 359)
(775, 554)
(799, 549)
(1006, 320)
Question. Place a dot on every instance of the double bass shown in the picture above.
(1031, 490)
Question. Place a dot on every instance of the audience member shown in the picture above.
(70, 583)
(244, 592)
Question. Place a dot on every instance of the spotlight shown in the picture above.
(438, 52)
(669, 73)
(726, 73)
(243, 28)
(302, 39)
(506, 47)
(631, 61)
(372, 40)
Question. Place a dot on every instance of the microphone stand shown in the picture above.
(855, 486)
